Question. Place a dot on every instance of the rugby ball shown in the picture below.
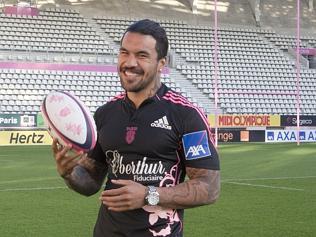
(69, 120)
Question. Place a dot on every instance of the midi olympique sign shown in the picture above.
(226, 120)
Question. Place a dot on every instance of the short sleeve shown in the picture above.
(97, 153)
(198, 150)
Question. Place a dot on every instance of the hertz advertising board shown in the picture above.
(244, 120)
(25, 138)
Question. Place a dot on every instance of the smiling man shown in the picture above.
(149, 139)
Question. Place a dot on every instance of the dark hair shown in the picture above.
(149, 27)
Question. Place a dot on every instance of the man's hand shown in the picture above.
(65, 161)
(128, 197)
(81, 173)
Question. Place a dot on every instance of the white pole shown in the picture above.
(216, 71)
(298, 67)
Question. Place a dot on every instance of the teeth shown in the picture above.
(128, 73)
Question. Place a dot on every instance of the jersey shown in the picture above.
(151, 145)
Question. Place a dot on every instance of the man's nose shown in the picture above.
(131, 61)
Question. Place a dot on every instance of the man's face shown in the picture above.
(138, 66)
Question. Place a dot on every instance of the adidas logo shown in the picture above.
(161, 123)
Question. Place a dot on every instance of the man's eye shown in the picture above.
(123, 52)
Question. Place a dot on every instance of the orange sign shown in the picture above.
(244, 136)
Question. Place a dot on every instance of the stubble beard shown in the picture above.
(141, 85)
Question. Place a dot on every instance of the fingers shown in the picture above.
(66, 163)
(113, 199)
(114, 192)
(120, 208)
(123, 182)
(65, 160)
(62, 155)
(55, 145)
(118, 191)
(117, 203)
(131, 195)
(59, 149)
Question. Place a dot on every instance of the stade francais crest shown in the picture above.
(130, 134)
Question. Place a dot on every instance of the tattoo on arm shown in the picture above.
(87, 177)
(202, 188)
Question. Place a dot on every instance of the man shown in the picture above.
(149, 138)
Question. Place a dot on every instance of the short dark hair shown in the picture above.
(149, 27)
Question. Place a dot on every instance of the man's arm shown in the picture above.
(81, 173)
(87, 177)
(203, 187)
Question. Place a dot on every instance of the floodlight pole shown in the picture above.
(298, 67)
(215, 71)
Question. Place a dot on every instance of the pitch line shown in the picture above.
(28, 180)
(271, 178)
(264, 186)
(15, 155)
(32, 189)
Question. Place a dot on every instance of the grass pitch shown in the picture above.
(268, 190)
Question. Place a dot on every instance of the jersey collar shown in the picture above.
(161, 92)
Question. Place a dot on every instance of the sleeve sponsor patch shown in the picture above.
(196, 145)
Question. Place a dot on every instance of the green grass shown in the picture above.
(268, 190)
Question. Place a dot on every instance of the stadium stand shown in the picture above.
(255, 73)
(23, 90)
(53, 31)
(255, 77)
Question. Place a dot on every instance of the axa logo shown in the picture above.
(196, 151)
(196, 145)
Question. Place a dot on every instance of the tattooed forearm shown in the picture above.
(87, 177)
(202, 188)
(96, 169)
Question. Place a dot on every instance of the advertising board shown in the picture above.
(305, 120)
(290, 135)
(17, 120)
(8, 138)
(244, 120)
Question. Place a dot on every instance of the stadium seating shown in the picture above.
(54, 30)
(23, 90)
(254, 75)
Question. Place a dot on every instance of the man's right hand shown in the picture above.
(65, 159)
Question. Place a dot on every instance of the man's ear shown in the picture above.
(161, 64)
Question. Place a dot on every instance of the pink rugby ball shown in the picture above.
(69, 120)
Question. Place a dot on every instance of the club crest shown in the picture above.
(130, 134)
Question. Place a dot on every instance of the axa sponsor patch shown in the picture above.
(196, 145)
